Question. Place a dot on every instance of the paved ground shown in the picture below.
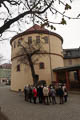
(14, 106)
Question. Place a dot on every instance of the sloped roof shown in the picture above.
(71, 53)
(6, 66)
(67, 68)
(36, 29)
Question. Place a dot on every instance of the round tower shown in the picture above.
(48, 60)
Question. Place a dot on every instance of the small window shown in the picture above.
(70, 62)
(18, 67)
(45, 39)
(37, 39)
(29, 40)
(19, 41)
(18, 44)
(14, 44)
(41, 65)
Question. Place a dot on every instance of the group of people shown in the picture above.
(46, 95)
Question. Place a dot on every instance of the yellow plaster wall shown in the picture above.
(75, 61)
(53, 60)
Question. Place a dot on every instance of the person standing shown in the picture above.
(34, 94)
(30, 94)
(50, 94)
(45, 94)
(64, 87)
(65, 95)
(40, 94)
(53, 95)
(61, 94)
(25, 93)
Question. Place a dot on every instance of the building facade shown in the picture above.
(70, 73)
(5, 73)
(56, 65)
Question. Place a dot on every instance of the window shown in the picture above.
(76, 75)
(18, 44)
(19, 41)
(37, 39)
(41, 65)
(18, 67)
(45, 39)
(14, 44)
(70, 62)
(29, 40)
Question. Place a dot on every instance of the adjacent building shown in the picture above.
(70, 73)
(5, 73)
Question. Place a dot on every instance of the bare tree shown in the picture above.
(29, 54)
(37, 11)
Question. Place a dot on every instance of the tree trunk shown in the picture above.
(32, 69)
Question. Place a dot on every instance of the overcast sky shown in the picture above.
(69, 32)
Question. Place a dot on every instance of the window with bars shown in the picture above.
(19, 41)
(30, 40)
(41, 65)
(37, 39)
(45, 39)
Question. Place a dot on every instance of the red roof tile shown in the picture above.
(36, 27)
(6, 66)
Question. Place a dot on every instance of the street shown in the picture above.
(13, 105)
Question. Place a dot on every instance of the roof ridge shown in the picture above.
(36, 27)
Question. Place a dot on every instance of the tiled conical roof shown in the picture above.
(36, 29)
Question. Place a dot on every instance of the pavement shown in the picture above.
(15, 108)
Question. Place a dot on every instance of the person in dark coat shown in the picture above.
(60, 94)
(40, 94)
(30, 94)
(25, 93)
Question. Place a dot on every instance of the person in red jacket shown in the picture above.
(34, 94)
